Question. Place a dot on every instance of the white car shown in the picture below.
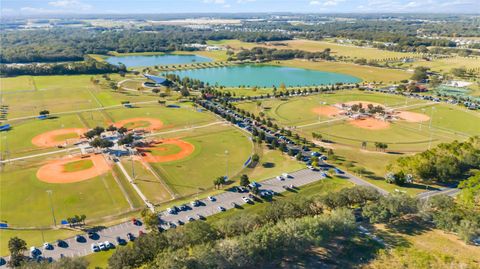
(246, 199)
(94, 247)
(286, 175)
(47, 246)
(171, 211)
(221, 208)
(107, 244)
(101, 246)
(211, 198)
(280, 178)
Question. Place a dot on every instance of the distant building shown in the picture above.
(156, 81)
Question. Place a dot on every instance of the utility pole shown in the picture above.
(49, 192)
(226, 164)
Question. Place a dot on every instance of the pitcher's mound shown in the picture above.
(167, 150)
(370, 123)
(149, 124)
(73, 169)
(58, 137)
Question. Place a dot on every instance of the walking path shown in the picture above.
(135, 187)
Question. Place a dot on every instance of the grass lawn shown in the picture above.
(78, 165)
(17, 84)
(209, 160)
(171, 117)
(366, 73)
(18, 139)
(54, 93)
(32, 237)
(150, 186)
(446, 64)
(24, 201)
(314, 46)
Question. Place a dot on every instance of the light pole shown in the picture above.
(430, 127)
(49, 192)
(226, 164)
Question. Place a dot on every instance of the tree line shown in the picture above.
(267, 54)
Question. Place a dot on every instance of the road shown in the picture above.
(207, 208)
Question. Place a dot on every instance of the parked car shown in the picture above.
(102, 246)
(286, 175)
(107, 244)
(80, 238)
(61, 243)
(195, 203)
(94, 247)
(212, 198)
(130, 237)
(246, 199)
(47, 246)
(221, 208)
(190, 219)
(280, 178)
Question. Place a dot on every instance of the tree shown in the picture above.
(244, 180)
(44, 112)
(126, 140)
(420, 73)
(111, 128)
(151, 219)
(255, 158)
(16, 246)
(122, 130)
(390, 208)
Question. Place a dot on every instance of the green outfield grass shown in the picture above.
(171, 117)
(17, 84)
(209, 160)
(25, 202)
(18, 141)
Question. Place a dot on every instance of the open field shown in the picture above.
(219, 55)
(218, 150)
(30, 207)
(315, 46)
(446, 64)
(366, 73)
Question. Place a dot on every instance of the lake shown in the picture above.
(161, 59)
(264, 76)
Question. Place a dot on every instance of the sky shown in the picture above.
(36, 7)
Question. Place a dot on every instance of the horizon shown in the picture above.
(31, 8)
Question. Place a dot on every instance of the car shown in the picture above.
(61, 243)
(172, 225)
(234, 205)
(80, 238)
(47, 246)
(94, 247)
(286, 175)
(201, 217)
(130, 237)
(190, 219)
(2, 261)
(195, 203)
(135, 221)
(312, 168)
(280, 178)
(246, 199)
(212, 198)
(107, 244)
(119, 240)
(171, 211)
(285, 187)
(221, 208)
(102, 246)
(34, 251)
(92, 235)
(179, 222)
(183, 207)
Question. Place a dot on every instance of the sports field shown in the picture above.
(314, 46)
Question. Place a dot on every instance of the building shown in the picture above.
(156, 81)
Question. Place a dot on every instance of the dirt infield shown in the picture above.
(370, 123)
(54, 171)
(185, 150)
(329, 111)
(412, 116)
(137, 123)
(364, 103)
(51, 138)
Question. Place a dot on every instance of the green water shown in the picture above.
(264, 76)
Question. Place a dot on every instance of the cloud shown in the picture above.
(70, 4)
(329, 3)
(245, 1)
(214, 1)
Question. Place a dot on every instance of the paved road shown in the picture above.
(446, 191)
(207, 208)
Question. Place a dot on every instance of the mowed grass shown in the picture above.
(166, 149)
(25, 202)
(171, 117)
(78, 165)
(33, 237)
(446, 64)
(366, 73)
(217, 149)
(18, 140)
(150, 186)
(17, 84)
(54, 93)
(315, 46)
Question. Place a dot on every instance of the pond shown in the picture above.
(161, 59)
(264, 76)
